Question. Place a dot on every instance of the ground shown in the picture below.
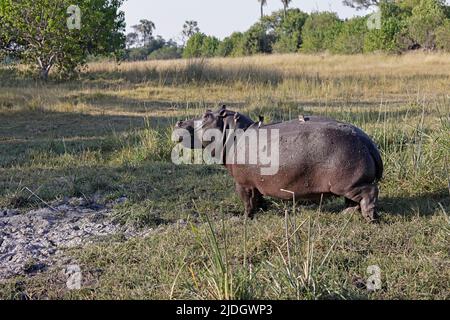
(105, 139)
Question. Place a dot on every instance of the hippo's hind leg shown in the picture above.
(367, 197)
(251, 198)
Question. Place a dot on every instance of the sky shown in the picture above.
(216, 17)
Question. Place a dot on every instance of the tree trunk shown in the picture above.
(43, 73)
(262, 11)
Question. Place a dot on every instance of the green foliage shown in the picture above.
(320, 31)
(288, 30)
(351, 38)
(201, 45)
(426, 17)
(257, 39)
(393, 21)
(232, 45)
(210, 46)
(37, 32)
(194, 46)
(443, 36)
(166, 53)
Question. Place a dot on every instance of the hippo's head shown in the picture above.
(221, 119)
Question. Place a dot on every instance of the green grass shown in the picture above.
(108, 134)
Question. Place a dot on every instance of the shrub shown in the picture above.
(210, 46)
(232, 45)
(351, 38)
(194, 45)
(388, 37)
(320, 31)
(166, 53)
(426, 17)
(288, 30)
(443, 36)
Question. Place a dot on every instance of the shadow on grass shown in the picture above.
(420, 205)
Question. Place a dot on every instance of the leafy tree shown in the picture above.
(320, 31)
(210, 46)
(145, 30)
(132, 39)
(257, 39)
(37, 32)
(189, 29)
(194, 46)
(426, 17)
(443, 36)
(351, 37)
(232, 45)
(262, 4)
(288, 30)
(390, 36)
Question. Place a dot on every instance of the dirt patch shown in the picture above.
(33, 241)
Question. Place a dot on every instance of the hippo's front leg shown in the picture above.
(251, 198)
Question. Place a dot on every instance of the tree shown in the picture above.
(287, 28)
(286, 5)
(37, 32)
(132, 39)
(232, 45)
(351, 37)
(189, 29)
(443, 36)
(262, 3)
(426, 17)
(145, 30)
(193, 48)
(320, 31)
(361, 4)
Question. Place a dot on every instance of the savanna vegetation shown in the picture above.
(107, 135)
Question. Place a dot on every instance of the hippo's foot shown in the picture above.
(251, 198)
(351, 209)
(364, 197)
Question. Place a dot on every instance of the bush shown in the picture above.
(443, 36)
(257, 39)
(194, 46)
(288, 30)
(320, 31)
(166, 53)
(210, 46)
(426, 17)
(232, 45)
(389, 37)
(351, 38)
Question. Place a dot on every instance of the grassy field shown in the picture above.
(108, 134)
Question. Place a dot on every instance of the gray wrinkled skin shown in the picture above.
(318, 157)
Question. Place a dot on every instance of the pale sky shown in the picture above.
(216, 17)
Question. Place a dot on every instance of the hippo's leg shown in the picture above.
(251, 197)
(351, 206)
(367, 197)
(369, 203)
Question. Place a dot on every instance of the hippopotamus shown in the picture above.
(318, 157)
